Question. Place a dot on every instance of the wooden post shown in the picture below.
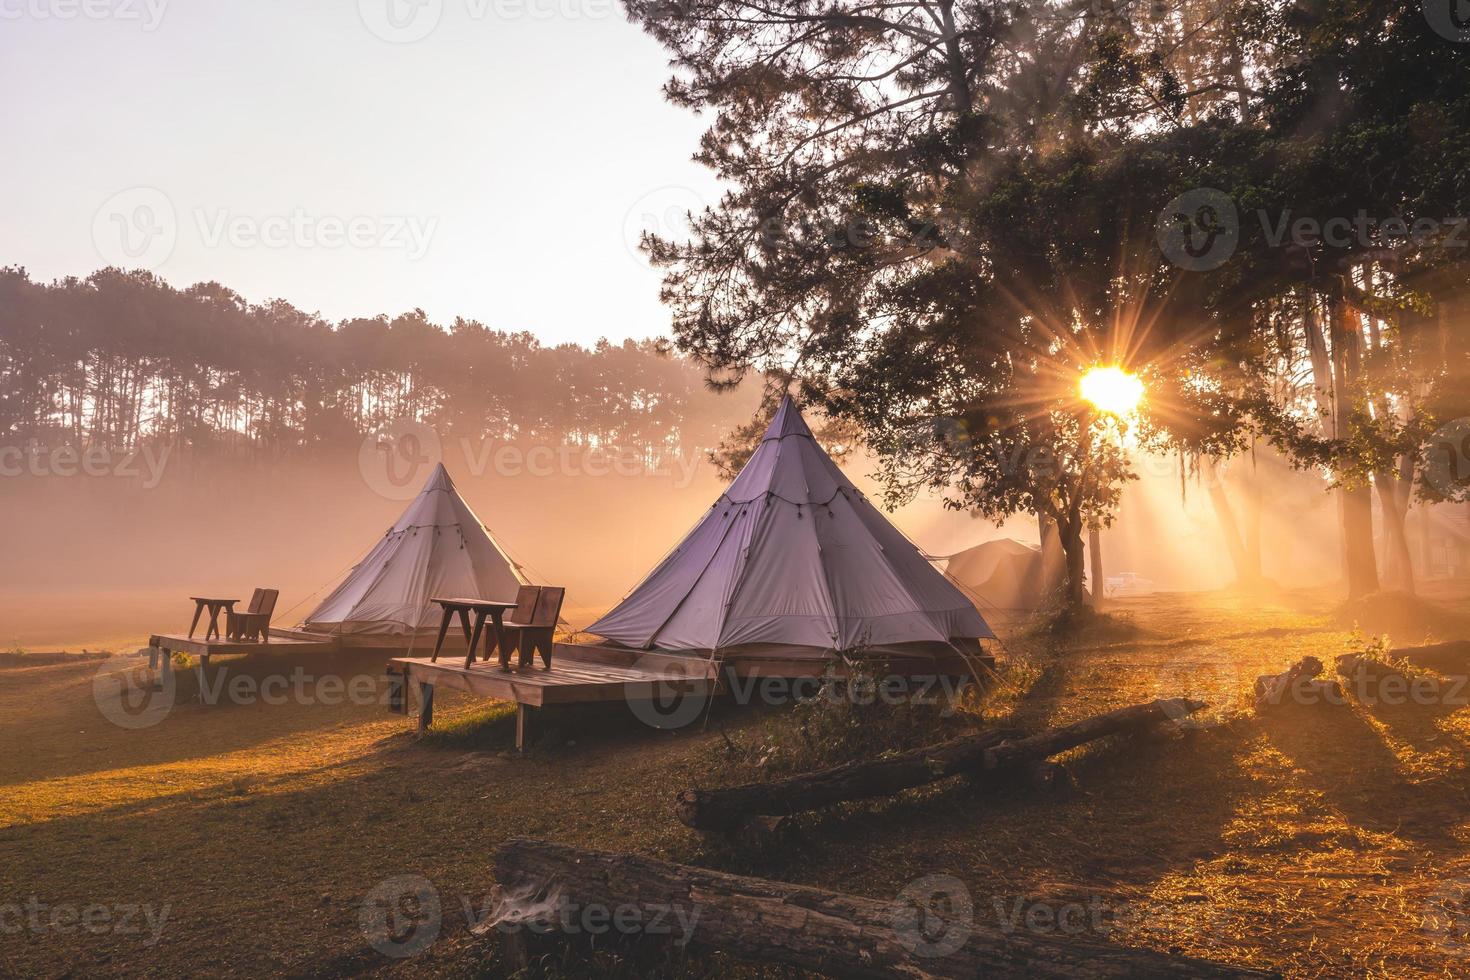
(167, 670)
(426, 706)
(523, 727)
(203, 672)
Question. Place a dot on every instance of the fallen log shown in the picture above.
(727, 809)
(554, 888)
(1451, 659)
(1374, 682)
(1298, 685)
(730, 808)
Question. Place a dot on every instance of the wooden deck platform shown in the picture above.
(579, 674)
(281, 641)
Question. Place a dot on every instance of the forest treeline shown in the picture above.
(123, 360)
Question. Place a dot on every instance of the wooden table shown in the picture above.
(481, 608)
(214, 606)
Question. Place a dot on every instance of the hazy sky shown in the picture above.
(486, 158)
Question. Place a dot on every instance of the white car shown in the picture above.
(1127, 584)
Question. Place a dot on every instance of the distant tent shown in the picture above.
(438, 547)
(793, 563)
(1001, 574)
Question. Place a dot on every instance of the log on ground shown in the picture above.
(986, 753)
(809, 928)
(1298, 685)
(1451, 659)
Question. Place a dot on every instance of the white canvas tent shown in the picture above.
(1003, 574)
(437, 548)
(792, 561)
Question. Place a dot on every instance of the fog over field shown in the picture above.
(102, 561)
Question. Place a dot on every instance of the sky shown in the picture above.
(491, 159)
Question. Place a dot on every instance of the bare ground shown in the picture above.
(1317, 842)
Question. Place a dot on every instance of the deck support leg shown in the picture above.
(523, 727)
(166, 669)
(203, 672)
(426, 706)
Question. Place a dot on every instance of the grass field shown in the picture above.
(242, 839)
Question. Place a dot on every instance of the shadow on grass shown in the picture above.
(1346, 760)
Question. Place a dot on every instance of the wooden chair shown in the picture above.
(536, 632)
(255, 622)
(524, 612)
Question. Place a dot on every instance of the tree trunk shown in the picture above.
(1357, 541)
(1076, 556)
(545, 887)
(1095, 570)
(727, 809)
(1359, 560)
(1393, 503)
(1053, 561)
(1235, 543)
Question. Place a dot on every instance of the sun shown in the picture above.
(1112, 390)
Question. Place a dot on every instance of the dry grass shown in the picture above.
(1317, 842)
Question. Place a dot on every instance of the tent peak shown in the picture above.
(438, 480)
(787, 421)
